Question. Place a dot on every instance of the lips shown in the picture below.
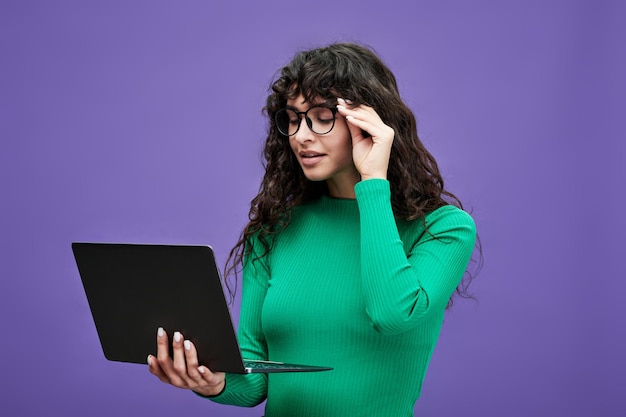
(310, 157)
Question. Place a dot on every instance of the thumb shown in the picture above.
(355, 132)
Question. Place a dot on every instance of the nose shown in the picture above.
(304, 132)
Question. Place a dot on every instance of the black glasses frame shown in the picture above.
(309, 122)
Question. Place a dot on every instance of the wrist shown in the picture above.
(214, 391)
(373, 177)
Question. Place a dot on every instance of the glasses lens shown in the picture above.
(287, 121)
(322, 119)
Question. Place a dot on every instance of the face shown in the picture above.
(325, 157)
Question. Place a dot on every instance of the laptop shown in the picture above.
(133, 289)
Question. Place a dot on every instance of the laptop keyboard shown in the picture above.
(264, 365)
(269, 366)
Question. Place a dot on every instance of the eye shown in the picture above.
(292, 117)
(323, 115)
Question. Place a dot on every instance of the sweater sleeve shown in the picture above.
(403, 288)
(251, 389)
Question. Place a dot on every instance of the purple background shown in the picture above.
(140, 121)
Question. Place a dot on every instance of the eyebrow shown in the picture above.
(325, 103)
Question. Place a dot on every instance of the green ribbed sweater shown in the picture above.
(348, 286)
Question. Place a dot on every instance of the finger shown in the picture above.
(180, 364)
(355, 132)
(163, 350)
(191, 357)
(343, 102)
(359, 129)
(202, 377)
(164, 361)
(365, 116)
(378, 131)
(214, 380)
(155, 369)
(349, 108)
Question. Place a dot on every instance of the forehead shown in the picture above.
(299, 100)
(300, 103)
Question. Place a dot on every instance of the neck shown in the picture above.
(343, 188)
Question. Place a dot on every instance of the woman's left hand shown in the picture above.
(370, 153)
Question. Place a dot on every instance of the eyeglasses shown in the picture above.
(320, 119)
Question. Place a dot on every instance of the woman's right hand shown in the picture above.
(183, 371)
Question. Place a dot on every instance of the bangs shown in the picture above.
(320, 74)
(348, 71)
(314, 80)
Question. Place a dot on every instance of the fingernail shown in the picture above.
(201, 370)
(187, 345)
(340, 107)
(160, 332)
(149, 359)
(177, 337)
(339, 99)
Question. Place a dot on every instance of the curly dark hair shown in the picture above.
(353, 72)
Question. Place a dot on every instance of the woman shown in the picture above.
(352, 252)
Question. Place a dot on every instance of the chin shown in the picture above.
(313, 175)
(315, 178)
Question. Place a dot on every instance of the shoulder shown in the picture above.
(447, 222)
(450, 216)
